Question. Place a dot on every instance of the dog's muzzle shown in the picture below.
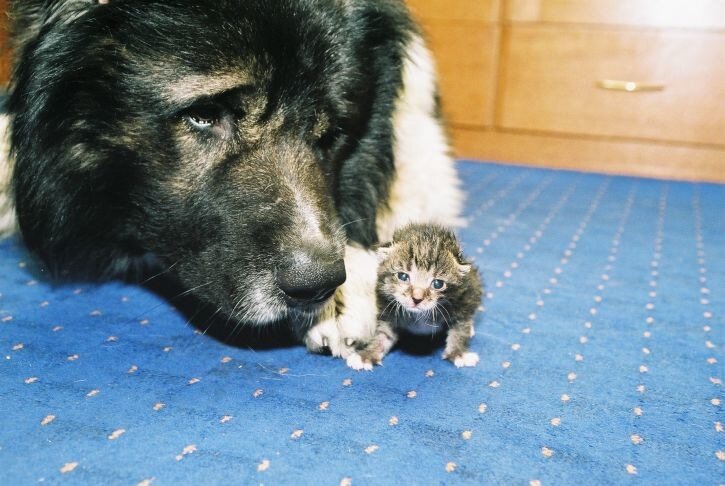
(308, 277)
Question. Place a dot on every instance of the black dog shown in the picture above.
(242, 143)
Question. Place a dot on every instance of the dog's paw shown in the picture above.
(356, 362)
(323, 337)
(342, 328)
(465, 360)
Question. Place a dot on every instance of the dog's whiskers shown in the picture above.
(344, 225)
(210, 320)
(162, 272)
(188, 291)
(231, 314)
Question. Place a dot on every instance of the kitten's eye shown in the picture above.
(438, 284)
(403, 277)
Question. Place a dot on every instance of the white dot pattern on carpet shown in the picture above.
(600, 345)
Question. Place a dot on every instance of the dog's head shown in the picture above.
(205, 133)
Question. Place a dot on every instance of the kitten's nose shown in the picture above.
(417, 295)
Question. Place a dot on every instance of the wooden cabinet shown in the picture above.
(544, 82)
(695, 14)
(620, 86)
(575, 81)
(464, 36)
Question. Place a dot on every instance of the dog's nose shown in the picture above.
(306, 279)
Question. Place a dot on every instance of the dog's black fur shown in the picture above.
(188, 129)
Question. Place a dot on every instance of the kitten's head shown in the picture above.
(419, 266)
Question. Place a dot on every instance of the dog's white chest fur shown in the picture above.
(7, 215)
(426, 187)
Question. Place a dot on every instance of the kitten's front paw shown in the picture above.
(467, 359)
(356, 362)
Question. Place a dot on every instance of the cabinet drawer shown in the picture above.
(701, 14)
(551, 75)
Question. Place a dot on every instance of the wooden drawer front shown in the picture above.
(466, 57)
(459, 10)
(464, 37)
(703, 14)
(550, 78)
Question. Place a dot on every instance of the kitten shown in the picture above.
(425, 287)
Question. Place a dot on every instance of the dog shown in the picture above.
(246, 146)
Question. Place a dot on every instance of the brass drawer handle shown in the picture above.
(629, 86)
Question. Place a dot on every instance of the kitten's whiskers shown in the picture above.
(445, 315)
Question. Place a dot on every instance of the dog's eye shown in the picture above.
(210, 119)
(403, 277)
(203, 117)
(438, 284)
(202, 122)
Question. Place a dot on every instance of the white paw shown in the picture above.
(338, 333)
(473, 331)
(467, 359)
(324, 335)
(356, 362)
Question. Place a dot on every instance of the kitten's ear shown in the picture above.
(463, 266)
(383, 251)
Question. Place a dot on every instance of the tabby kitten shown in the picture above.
(425, 287)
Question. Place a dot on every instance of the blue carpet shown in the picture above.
(601, 362)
